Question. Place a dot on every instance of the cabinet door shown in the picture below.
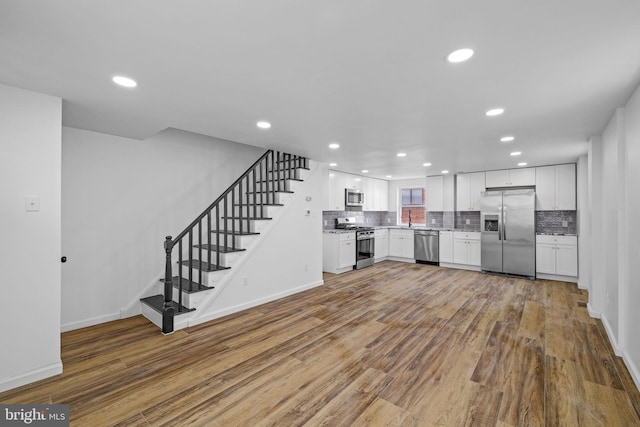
(546, 188)
(546, 258)
(395, 245)
(381, 249)
(347, 253)
(565, 187)
(435, 192)
(407, 245)
(474, 252)
(446, 246)
(476, 187)
(463, 189)
(449, 193)
(497, 178)
(336, 191)
(460, 251)
(368, 186)
(567, 260)
(524, 176)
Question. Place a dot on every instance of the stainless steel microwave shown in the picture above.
(353, 197)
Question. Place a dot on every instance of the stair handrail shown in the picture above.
(289, 163)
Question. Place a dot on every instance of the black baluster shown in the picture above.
(168, 311)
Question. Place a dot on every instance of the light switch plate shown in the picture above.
(32, 203)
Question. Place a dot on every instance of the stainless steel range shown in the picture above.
(365, 241)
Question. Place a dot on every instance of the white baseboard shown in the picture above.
(612, 338)
(570, 279)
(592, 312)
(249, 304)
(460, 266)
(89, 322)
(633, 369)
(583, 286)
(31, 376)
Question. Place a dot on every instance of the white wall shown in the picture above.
(584, 224)
(287, 260)
(631, 295)
(614, 173)
(30, 126)
(120, 198)
(610, 184)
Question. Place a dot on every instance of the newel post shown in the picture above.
(167, 310)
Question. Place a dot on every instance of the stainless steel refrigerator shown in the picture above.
(508, 238)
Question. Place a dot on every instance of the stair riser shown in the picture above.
(295, 174)
(226, 259)
(265, 211)
(255, 226)
(179, 322)
(209, 279)
(280, 198)
(288, 185)
(191, 300)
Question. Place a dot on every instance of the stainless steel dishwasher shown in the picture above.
(425, 246)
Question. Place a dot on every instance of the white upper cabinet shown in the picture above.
(435, 193)
(376, 194)
(336, 187)
(440, 193)
(511, 178)
(556, 188)
(468, 189)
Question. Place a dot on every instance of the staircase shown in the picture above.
(220, 236)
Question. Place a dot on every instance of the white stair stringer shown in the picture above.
(217, 280)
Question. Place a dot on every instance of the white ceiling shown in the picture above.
(368, 74)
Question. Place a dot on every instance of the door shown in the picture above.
(518, 234)
(491, 231)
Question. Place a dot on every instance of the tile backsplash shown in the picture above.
(553, 222)
(375, 218)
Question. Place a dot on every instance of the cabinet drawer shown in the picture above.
(557, 240)
(467, 235)
(347, 236)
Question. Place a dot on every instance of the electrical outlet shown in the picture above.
(565, 224)
(326, 222)
(468, 222)
(433, 221)
(244, 281)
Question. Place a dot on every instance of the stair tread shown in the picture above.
(236, 232)
(157, 303)
(266, 204)
(279, 179)
(204, 265)
(188, 286)
(221, 249)
(260, 218)
(269, 191)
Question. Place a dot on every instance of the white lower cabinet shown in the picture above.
(557, 256)
(381, 248)
(401, 243)
(466, 248)
(446, 246)
(338, 252)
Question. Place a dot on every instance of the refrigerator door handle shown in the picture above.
(500, 222)
(504, 223)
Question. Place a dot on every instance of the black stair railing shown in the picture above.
(228, 216)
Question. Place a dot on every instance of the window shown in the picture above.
(412, 197)
(412, 203)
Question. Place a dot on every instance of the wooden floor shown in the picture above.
(395, 345)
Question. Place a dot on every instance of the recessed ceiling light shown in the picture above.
(401, 154)
(124, 81)
(263, 125)
(389, 176)
(507, 138)
(332, 174)
(494, 112)
(365, 171)
(460, 55)
(426, 164)
(522, 164)
(445, 171)
(516, 153)
(358, 179)
(334, 145)
(333, 165)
